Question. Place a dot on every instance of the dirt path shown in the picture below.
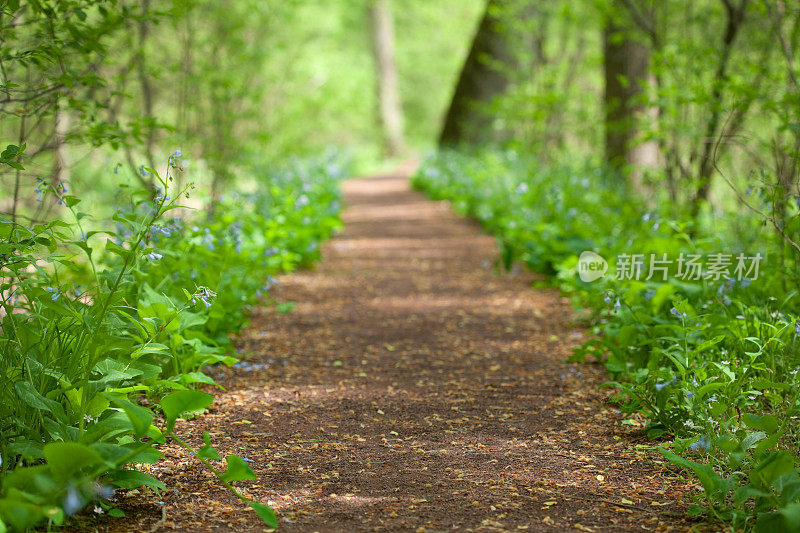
(414, 389)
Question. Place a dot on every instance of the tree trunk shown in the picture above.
(60, 162)
(626, 64)
(391, 111)
(735, 14)
(480, 81)
(144, 82)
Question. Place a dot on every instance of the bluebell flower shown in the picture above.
(607, 298)
(797, 327)
(177, 153)
(649, 293)
(55, 293)
(745, 282)
(689, 394)
(104, 491)
(674, 311)
(73, 501)
(703, 443)
(726, 301)
(660, 386)
(154, 256)
(617, 305)
(205, 295)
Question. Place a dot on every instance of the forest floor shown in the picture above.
(413, 388)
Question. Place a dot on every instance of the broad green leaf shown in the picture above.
(770, 469)
(710, 480)
(264, 512)
(207, 451)
(766, 423)
(67, 459)
(131, 479)
(178, 403)
(791, 517)
(141, 418)
(237, 470)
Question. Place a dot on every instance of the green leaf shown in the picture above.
(791, 517)
(131, 479)
(710, 480)
(765, 423)
(116, 512)
(176, 404)
(770, 469)
(114, 248)
(207, 451)
(28, 393)
(66, 459)
(709, 387)
(237, 470)
(71, 201)
(141, 418)
(264, 512)
(709, 343)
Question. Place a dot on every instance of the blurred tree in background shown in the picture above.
(91, 87)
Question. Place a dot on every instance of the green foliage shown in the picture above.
(95, 321)
(713, 363)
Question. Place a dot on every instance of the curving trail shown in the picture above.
(415, 389)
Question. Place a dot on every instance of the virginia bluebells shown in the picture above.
(703, 443)
(674, 311)
(55, 293)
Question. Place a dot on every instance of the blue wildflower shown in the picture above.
(154, 256)
(745, 282)
(703, 443)
(674, 311)
(660, 386)
(649, 293)
(73, 501)
(55, 293)
(617, 305)
(607, 298)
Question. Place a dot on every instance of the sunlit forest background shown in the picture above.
(162, 160)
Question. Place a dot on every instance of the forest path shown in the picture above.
(415, 389)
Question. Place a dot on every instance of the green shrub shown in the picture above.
(92, 321)
(712, 363)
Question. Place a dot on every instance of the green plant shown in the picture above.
(711, 363)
